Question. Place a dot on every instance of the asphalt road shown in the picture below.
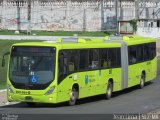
(132, 100)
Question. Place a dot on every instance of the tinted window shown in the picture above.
(33, 68)
(110, 57)
(83, 60)
(118, 57)
(146, 52)
(104, 58)
(73, 58)
(139, 53)
(93, 59)
(152, 50)
(132, 54)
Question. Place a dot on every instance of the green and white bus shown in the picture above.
(75, 68)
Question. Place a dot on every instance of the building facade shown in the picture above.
(149, 18)
(81, 15)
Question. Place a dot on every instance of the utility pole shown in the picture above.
(29, 17)
(137, 9)
(18, 16)
(117, 20)
(102, 15)
(84, 20)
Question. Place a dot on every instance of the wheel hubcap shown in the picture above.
(142, 82)
(72, 94)
(109, 91)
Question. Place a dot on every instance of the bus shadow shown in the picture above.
(115, 94)
(131, 89)
(79, 102)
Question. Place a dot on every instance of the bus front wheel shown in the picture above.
(109, 90)
(73, 96)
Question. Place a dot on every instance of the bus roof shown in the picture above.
(74, 42)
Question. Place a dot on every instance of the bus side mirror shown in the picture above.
(3, 62)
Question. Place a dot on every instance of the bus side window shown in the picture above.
(93, 59)
(118, 57)
(146, 52)
(71, 67)
(73, 56)
(112, 57)
(152, 50)
(83, 60)
(103, 58)
(132, 54)
(139, 53)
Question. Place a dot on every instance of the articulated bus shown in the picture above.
(75, 68)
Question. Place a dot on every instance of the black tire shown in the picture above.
(109, 90)
(73, 97)
(31, 104)
(142, 81)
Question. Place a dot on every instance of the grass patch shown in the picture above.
(5, 47)
(58, 33)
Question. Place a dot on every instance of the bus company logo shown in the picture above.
(86, 79)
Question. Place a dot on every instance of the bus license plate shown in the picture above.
(28, 98)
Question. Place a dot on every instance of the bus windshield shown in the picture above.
(32, 67)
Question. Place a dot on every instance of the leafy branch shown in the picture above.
(133, 23)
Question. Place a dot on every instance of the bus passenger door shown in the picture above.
(63, 78)
(93, 73)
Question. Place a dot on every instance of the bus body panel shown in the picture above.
(95, 83)
(90, 82)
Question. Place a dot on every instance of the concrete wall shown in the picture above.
(67, 15)
(149, 32)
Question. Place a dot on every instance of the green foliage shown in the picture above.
(133, 23)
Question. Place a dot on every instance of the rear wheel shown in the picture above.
(109, 90)
(73, 96)
(142, 81)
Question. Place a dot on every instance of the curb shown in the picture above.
(3, 90)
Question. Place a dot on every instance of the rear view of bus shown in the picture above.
(31, 74)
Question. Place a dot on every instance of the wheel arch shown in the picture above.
(76, 86)
(112, 81)
(144, 73)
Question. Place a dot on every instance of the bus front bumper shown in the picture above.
(32, 98)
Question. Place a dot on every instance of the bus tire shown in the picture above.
(31, 104)
(142, 81)
(109, 90)
(73, 96)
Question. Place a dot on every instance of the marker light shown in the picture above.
(50, 91)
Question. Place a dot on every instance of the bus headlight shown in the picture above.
(50, 91)
(9, 89)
